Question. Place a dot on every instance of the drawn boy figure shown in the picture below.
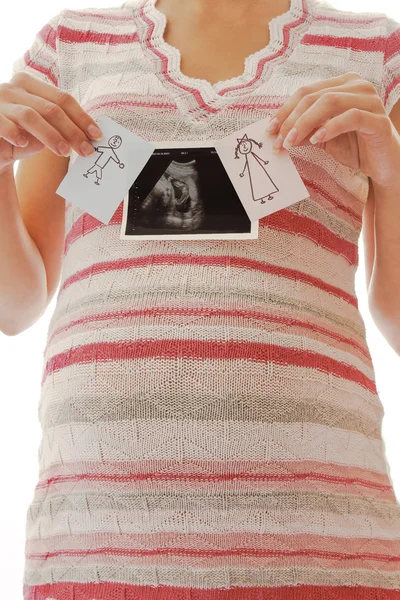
(106, 154)
(261, 183)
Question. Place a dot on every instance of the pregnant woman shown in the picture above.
(211, 423)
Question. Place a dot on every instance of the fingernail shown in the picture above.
(290, 138)
(94, 132)
(272, 125)
(64, 149)
(22, 141)
(86, 148)
(318, 135)
(278, 142)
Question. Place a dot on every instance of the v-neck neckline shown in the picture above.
(199, 97)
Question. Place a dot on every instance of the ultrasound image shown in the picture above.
(184, 191)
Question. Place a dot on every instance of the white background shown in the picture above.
(21, 356)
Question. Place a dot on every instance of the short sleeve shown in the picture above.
(42, 59)
(391, 65)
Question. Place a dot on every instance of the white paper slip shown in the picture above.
(265, 182)
(99, 183)
(185, 193)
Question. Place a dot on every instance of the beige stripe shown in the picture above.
(207, 578)
(76, 297)
(263, 520)
(157, 388)
(175, 439)
(268, 410)
(84, 505)
(208, 284)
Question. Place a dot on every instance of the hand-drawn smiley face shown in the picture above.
(115, 141)
(244, 146)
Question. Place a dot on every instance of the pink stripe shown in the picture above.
(165, 66)
(259, 475)
(311, 184)
(392, 50)
(199, 477)
(231, 552)
(290, 222)
(375, 44)
(205, 350)
(45, 70)
(263, 61)
(77, 36)
(257, 486)
(49, 36)
(159, 311)
(121, 591)
(215, 261)
(133, 103)
(187, 465)
(391, 87)
(192, 485)
(359, 19)
(392, 45)
(253, 103)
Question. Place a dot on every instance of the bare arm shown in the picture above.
(31, 239)
(368, 234)
(31, 213)
(381, 227)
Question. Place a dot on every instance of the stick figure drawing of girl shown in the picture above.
(261, 183)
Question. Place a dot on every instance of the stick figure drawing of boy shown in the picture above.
(261, 183)
(106, 154)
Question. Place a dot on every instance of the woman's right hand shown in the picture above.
(45, 116)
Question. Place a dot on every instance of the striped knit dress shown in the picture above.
(211, 422)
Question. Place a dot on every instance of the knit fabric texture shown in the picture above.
(211, 424)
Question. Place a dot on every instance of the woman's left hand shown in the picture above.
(359, 133)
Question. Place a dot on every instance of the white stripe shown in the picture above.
(207, 578)
(266, 520)
(153, 379)
(175, 439)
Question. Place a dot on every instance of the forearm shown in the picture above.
(384, 288)
(23, 286)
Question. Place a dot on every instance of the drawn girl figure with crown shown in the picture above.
(261, 183)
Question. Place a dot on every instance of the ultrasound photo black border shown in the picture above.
(251, 235)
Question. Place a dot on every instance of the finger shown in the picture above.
(354, 119)
(66, 101)
(11, 132)
(344, 80)
(58, 118)
(31, 121)
(306, 118)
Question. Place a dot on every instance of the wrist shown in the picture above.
(388, 190)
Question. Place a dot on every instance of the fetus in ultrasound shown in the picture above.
(175, 201)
